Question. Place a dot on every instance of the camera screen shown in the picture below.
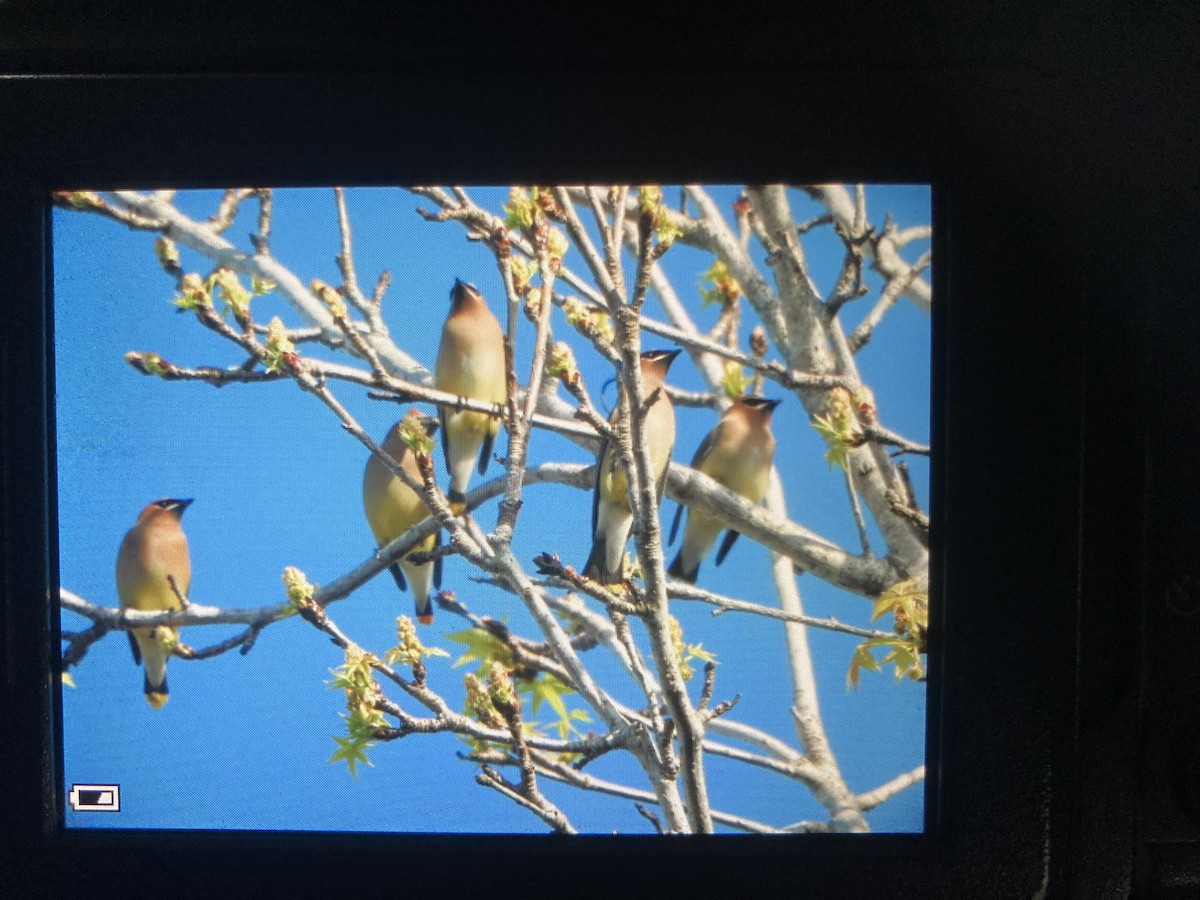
(506, 509)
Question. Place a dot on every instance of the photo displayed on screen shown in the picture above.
(503, 509)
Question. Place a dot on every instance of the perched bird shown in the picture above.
(612, 519)
(393, 507)
(470, 364)
(737, 454)
(154, 553)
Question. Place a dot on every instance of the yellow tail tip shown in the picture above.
(458, 507)
(157, 700)
(426, 619)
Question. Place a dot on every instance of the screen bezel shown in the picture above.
(971, 649)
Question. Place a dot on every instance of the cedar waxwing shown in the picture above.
(470, 364)
(612, 519)
(737, 454)
(393, 507)
(153, 549)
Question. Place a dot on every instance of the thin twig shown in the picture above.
(549, 814)
(856, 510)
(244, 642)
(681, 590)
(203, 240)
(520, 428)
(836, 199)
(90, 201)
(871, 799)
(230, 201)
(528, 789)
(262, 238)
(776, 371)
(808, 226)
(345, 259)
(652, 817)
(892, 292)
(567, 775)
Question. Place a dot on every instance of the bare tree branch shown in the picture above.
(203, 240)
(681, 590)
(891, 293)
(871, 799)
(888, 262)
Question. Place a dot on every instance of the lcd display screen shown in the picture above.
(733, 642)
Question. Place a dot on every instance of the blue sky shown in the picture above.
(245, 740)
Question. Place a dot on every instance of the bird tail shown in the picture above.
(726, 543)
(394, 568)
(677, 569)
(485, 451)
(675, 524)
(596, 567)
(156, 696)
(425, 611)
(595, 561)
(463, 435)
(420, 577)
(437, 563)
(133, 645)
(154, 656)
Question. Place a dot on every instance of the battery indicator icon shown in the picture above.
(95, 797)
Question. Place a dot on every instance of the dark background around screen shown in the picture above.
(1068, 137)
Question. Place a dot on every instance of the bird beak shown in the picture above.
(181, 505)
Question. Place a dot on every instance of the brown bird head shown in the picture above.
(464, 294)
(655, 364)
(758, 406)
(167, 506)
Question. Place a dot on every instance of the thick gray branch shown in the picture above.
(827, 561)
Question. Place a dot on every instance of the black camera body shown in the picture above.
(1063, 677)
